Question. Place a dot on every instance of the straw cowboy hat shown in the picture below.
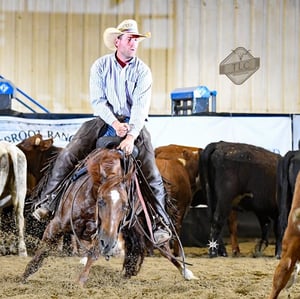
(127, 26)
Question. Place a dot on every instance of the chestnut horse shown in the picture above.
(288, 268)
(102, 202)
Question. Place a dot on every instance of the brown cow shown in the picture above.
(290, 246)
(178, 166)
(38, 152)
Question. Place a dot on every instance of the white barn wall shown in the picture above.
(47, 47)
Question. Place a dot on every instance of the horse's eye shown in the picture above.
(101, 202)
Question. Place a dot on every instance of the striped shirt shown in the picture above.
(121, 91)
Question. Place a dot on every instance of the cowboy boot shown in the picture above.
(162, 232)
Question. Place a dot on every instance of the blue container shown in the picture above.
(191, 100)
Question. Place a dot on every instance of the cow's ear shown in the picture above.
(47, 144)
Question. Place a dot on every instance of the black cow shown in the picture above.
(239, 176)
(287, 170)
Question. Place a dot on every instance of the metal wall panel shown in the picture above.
(47, 48)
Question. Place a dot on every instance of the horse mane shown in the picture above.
(106, 168)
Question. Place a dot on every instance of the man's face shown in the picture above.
(127, 45)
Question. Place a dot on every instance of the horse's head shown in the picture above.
(110, 186)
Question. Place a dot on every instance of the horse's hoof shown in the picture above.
(188, 275)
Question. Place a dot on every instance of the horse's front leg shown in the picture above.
(51, 237)
(83, 277)
(35, 263)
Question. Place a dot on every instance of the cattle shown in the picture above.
(13, 168)
(290, 246)
(287, 170)
(190, 191)
(178, 166)
(239, 176)
(39, 152)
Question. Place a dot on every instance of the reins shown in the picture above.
(141, 199)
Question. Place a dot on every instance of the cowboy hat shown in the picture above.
(127, 26)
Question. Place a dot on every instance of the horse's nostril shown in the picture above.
(102, 243)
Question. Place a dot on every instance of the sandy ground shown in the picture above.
(239, 277)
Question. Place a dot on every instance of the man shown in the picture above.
(120, 94)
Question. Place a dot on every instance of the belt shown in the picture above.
(122, 118)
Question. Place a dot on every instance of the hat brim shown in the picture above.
(110, 35)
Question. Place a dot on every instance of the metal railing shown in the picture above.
(26, 100)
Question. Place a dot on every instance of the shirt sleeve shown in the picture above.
(98, 98)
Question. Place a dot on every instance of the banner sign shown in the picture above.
(273, 133)
(15, 129)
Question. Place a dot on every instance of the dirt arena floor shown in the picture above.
(239, 277)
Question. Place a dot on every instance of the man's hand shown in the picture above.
(120, 128)
(127, 144)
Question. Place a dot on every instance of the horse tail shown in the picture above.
(284, 192)
(4, 168)
(205, 177)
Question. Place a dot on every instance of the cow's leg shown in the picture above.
(264, 241)
(20, 224)
(51, 237)
(232, 225)
(216, 244)
(277, 239)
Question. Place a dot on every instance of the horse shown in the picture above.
(13, 171)
(288, 267)
(102, 200)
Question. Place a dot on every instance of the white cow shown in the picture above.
(13, 180)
